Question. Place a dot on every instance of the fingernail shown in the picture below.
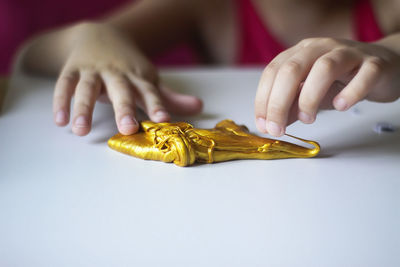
(261, 123)
(340, 104)
(81, 121)
(161, 114)
(274, 129)
(128, 121)
(61, 117)
(304, 117)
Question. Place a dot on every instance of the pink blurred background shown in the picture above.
(21, 19)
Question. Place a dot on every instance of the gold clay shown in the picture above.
(184, 145)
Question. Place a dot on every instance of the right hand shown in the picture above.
(102, 64)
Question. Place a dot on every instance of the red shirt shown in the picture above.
(20, 19)
(258, 46)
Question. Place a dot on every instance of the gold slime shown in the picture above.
(184, 145)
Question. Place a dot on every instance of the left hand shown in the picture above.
(324, 73)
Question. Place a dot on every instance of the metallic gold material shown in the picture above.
(184, 145)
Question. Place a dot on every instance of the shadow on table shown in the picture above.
(387, 143)
(107, 124)
(22, 88)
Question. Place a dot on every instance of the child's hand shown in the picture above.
(103, 64)
(324, 73)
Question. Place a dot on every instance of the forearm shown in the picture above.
(150, 25)
(155, 25)
(46, 54)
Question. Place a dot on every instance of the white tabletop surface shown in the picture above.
(72, 201)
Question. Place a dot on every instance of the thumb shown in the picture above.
(180, 104)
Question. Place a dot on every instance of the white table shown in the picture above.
(72, 201)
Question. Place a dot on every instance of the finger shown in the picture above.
(151, 98)
(286, 86)
(334, 90)
(87, 91)
(367, 77)
(180, 104)
(122, 98)
(63, 92)
(325, 71)
(265, 85)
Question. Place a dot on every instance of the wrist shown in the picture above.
(391, 42)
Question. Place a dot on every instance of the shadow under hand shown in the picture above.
(23, 89)
(199, 117)
(367, 144)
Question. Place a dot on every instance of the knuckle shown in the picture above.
(152, 91)
(260, 104)
(270, 68)
(148, 88)
(83, 107)
(67, 78)
(326, 64)
(114, 68)
(328, 41)
(259, 112)
(307, 42)
(154, 108)
(346, 53)
(88, 84)
(121, 82)
(291, 67)
(124, 107)
(307, 103)
(342, 51)
(276, 113)
(375, 65)
(87, 26)
(60, 101)
(356, 95)
(153, 104)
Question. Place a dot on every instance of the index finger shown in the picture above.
(123, 100)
